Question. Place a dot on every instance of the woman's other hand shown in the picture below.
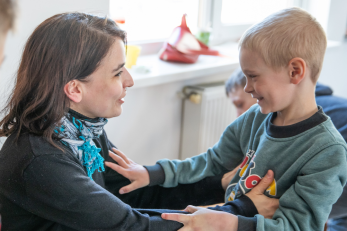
(227, 177)
(203, 219)
(266, 206)
(137, 174)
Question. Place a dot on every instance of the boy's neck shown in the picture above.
(301, 109)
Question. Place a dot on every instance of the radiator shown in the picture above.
(206, 113)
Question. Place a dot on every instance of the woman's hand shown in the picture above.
(203, 219)
(137, 174)
(227, 177)
(266, 206)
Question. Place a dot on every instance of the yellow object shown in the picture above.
(195, 98)
(272, 188)
(132, 52)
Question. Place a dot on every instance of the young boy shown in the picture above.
(334, 107)
(286, 132)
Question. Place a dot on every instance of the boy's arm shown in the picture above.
(306, 204)
(206, 192)
(224, 156)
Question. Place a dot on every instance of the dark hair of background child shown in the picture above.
(237, 79)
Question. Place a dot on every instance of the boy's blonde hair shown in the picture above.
(285, 35)
(7, 14)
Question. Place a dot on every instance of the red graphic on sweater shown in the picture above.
(252, 181)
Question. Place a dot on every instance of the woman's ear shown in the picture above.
(297, 70)
(73, 90)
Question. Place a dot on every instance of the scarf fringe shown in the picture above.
(92, 160)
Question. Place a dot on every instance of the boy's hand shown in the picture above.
(227, 177)
(136, 173)
(266, 206)
(203, 219)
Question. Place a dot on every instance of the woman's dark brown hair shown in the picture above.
(62, 48)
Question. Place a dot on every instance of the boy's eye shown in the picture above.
(119, 73)
(252, 76)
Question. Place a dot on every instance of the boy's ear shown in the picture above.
(73, 90)
(297, 70)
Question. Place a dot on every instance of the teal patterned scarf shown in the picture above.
(78, 135)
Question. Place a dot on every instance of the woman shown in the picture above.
(52, 174)
(71, 77)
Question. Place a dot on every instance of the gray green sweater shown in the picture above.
(308, 159)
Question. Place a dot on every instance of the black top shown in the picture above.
(45, 188)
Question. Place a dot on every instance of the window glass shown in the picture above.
(250, 11)
(153, 19)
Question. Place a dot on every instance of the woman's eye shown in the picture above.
(252, 76)
(119, 73)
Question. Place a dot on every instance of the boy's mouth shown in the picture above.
(258, 98)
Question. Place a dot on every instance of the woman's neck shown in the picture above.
(81, 111)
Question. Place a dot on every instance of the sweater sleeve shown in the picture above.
(307, 203)
(224, 156)
(242, 206)
(59, 190)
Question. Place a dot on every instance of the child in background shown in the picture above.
(334, 107)
(234, 91)
(286, 132)
(7, 21)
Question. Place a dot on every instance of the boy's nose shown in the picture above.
(248, 88)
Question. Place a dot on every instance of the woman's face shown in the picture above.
(102, 95)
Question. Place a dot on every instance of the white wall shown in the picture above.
(334, 72)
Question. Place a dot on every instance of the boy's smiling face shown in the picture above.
(271, 88)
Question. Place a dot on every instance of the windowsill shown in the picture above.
(166, 72)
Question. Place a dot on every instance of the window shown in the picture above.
(153, 19)
(232, 17)
(250, 11)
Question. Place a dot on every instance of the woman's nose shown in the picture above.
(128, 79)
